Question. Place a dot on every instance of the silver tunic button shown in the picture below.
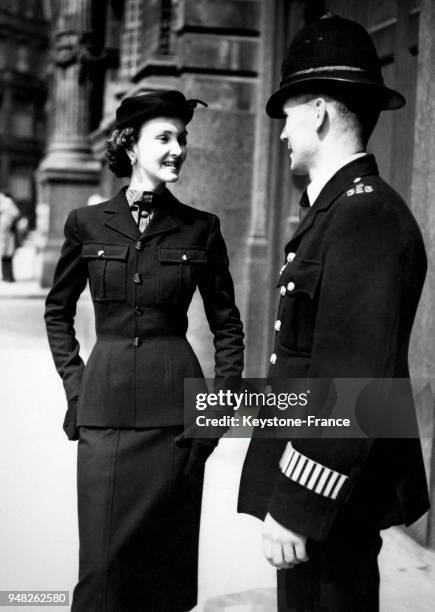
(277, 325)
(268, 389)
(184, 257)
(273, 358)
(282, 290)
(290, 257)
(290, 286)
(100, 253)
(357, 179)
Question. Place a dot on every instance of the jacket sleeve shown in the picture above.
(69, 281)
(217, 291)
(355, 336)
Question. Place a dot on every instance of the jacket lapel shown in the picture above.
(120, 219)
(339, 183)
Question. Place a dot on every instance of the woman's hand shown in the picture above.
(200, 451)
(70, 421)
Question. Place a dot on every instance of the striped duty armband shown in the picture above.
(310, 474)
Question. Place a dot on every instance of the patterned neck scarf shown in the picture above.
(143, 206)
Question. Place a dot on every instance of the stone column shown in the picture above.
(69, 172)
(423, 205)
(258, 249)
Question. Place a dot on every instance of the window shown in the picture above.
(22, 124)
(3, 53)
(131, 38)
(21, 182)
(23, 58)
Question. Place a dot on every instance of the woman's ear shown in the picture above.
(131, 153)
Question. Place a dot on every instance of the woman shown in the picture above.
(144, 254)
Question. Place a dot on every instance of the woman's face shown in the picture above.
(160, 150)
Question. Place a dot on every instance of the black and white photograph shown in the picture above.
(217, 305)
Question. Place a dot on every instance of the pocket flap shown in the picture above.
(97, 250)
(301, 276)
(196, 255)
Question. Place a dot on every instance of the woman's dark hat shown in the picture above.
(160, 103)
(333, 55)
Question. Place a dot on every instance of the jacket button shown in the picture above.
(138, 246)
(277, 325)
(100, 253)
(139, 311)
(137, 278)
(137, 342)
(290, 286)
(273, 358)
(184, 257)
(282, 290)
(290, 257)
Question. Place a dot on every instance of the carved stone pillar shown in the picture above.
(68, 173)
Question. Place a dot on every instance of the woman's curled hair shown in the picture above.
(118, 144)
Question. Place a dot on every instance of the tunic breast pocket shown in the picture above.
(298, 284)
(178, 272)
(107, 268)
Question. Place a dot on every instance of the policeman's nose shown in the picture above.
(283, 136)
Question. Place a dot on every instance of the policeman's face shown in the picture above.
(160, 150)
(300, 133)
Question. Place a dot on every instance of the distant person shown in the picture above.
(9, 214)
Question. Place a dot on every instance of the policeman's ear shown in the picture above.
(321, 114)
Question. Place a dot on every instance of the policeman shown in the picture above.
(349, 288)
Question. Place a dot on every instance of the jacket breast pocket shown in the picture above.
(107, 269)
(298, 284)
(179, 270)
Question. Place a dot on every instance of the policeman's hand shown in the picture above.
(70, 421)
(282, 547)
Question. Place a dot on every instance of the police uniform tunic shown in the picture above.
(138, 512)
(349, 289)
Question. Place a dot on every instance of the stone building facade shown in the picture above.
(24, 43)
(228, 53)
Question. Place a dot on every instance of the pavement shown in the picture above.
(38, 528)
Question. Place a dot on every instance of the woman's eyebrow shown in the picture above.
(171, 132)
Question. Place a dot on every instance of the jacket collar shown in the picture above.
(120, 219)
(337, 184)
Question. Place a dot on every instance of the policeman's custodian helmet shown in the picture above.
(333, 55)
(160, 103)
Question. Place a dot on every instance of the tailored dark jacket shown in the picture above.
(350, 285)
(141, 287)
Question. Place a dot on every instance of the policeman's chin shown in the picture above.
(297, 166)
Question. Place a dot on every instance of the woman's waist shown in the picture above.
(141, 323)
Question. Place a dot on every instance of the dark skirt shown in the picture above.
(138, 522)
